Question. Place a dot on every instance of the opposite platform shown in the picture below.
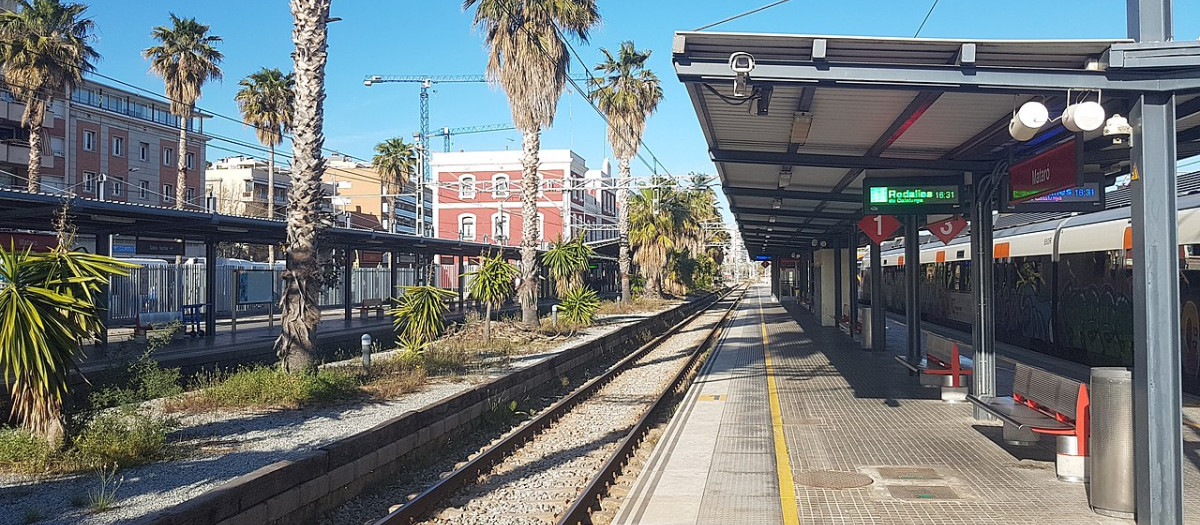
(861, 442)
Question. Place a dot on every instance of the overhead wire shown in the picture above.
(926, 19)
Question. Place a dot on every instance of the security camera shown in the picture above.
(742, 64)
(1118, 128)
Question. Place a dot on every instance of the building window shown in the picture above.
(168, 193)
(144, 186)
(500, 227)
(89, 140)
(466, 187)
(117, 182)
(190, 195)
(89, 182)
(118, 146)
(466, 227)
(190, 160)
(57, 145)
(168, 156)
(500, 189)
(143, 151)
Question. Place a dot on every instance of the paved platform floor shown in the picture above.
(851, 419)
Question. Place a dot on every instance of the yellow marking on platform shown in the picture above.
(711, 397)
(783, 465)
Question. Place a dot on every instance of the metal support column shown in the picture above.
(210, 287)
(912, 286)
(852, 271)
(1157, 397)
(983, 341)
(878, 321)
(460, 265)
(104, 247)
(776, 275)
(837, 287)
(393, 279)
(347, 285)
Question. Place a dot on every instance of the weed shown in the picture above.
(122, 437)
(139, 380)
(268, 387)
(104, 497)
(23, 452)
(161, 338)
(392, 378)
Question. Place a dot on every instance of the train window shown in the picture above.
(961, 253)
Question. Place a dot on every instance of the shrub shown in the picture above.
(123, 436)
(140, 380)
(579, 306)
(269, 387)
(421, 312)
(23, 452)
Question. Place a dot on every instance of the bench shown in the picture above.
(1046, 404)
(150, 320)
(942, 366)
(371, 304)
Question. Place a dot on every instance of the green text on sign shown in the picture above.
(893, 195)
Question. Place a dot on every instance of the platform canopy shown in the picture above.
(821, 112)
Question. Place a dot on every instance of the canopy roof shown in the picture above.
(825, 110)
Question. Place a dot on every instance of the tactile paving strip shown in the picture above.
(903, 473)
(832, 479)
(921, 493)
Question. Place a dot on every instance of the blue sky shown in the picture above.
(435, 37)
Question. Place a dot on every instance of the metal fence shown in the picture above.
(150, 289)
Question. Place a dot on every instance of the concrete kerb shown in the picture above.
(299, 490)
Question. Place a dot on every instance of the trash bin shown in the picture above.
(864, 320)
(1112, 491)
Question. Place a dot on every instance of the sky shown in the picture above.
(436, 37)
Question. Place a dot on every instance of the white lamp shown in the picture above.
(1084, 116)
(1028, 120)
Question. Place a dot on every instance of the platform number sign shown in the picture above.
(948, 229)
(879, 227)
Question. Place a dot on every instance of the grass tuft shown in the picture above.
(24, 453)
(268, 387)
(123, 437)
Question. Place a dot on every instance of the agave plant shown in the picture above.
(567, 262)
(579, 305)
(420, 312)
(48, 304)
(492, 283)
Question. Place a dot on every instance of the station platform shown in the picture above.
(790, 422)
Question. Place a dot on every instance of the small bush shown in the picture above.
(23, 452)
(123, 437)
(140, 380)
(268, 387)
(392, 378)
(579, 306)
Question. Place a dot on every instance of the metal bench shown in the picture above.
(371, 304)
(1047, 404)
(942, 366)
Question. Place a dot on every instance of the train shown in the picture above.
(1063, 285)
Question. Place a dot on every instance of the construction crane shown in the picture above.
(447, 132)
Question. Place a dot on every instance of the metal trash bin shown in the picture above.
(864, 319)
(1112, 491)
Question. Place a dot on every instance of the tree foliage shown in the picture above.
(568, 262)
(578, 306)
(420, 312)
(670, 240)
(396, 163)
(493, 283)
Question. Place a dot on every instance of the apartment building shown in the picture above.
(478, 197)
(239, 186)
(107, 143)
(360, 200)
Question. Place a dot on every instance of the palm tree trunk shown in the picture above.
(530, 180)
(35, 115)
(487, 324)
(623, 262)
(270, 198)
(300, 314)
(181, 163)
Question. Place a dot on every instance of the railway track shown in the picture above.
(557, 466)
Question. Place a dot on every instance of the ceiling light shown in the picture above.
(1028, 120)
(785, 178)
(770, 229)
(771, 219)
(777, 203)
(814, 243)
(1084, 116)
(801, 123)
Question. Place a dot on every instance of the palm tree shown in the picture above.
(492, 283)
(529, 59)
(185, 58)
(420, 312)
(300, 312)
(567, 261)
(395, 161)
(265, 101)
(44, 52)
(655, 218)
(628, 93)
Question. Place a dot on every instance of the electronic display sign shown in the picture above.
(913, 196)
(1086, 197)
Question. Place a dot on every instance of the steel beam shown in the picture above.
(912, 287)
(838, 272)
(784, 212)
(983, 382)
(817, 160)
(1157, 387)
(740, 191)
(979, 79)
(851, 271)
(210, 287)
(104, 247)
(347, 285)
(878, 321)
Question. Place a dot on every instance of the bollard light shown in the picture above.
(554, 313)
(366, 353)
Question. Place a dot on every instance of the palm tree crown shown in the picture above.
(394, 161)
(265, 101)
(627, 93)
(44, 52)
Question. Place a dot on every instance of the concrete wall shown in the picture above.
(828, 307)
(301, 490)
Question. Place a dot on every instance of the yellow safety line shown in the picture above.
(783, 465)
